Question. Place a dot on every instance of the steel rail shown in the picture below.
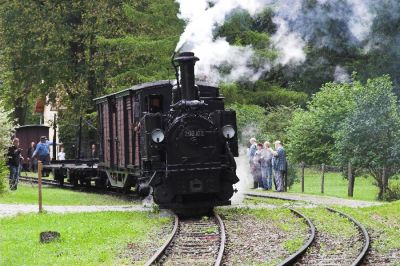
(160, 252)
(359, 226)
(362, 230)
(218, 262)
(295, 256)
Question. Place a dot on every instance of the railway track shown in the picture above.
(50, 182)
(193, 242)
(309, 253)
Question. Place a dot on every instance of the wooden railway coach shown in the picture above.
(119, 125)
(174, 140)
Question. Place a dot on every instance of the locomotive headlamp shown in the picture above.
(228, 131)
(157, 135)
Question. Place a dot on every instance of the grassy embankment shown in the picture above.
(382, 222)
(28, 194)
(106, 238)
(336, 185)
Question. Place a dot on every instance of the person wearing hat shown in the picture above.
(42, 150)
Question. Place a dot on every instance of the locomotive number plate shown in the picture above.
(194, 133)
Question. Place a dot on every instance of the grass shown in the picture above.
(382, 223)
(28, 194)
(336, 185)
(86, 238)
(281, 218)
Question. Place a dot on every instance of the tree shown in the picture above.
(311, 131)
(5, 134)
(369, 137)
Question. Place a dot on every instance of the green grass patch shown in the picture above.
(86, 238)
(331, 223)
(28, 194)
(382, 223)
(336, 185)
(281, 218)
(259, 200)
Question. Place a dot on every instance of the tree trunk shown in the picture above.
(351, 178)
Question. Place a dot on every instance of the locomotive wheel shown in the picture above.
(162, 194)
(226, 191)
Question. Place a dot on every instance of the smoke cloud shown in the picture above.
(297, 22)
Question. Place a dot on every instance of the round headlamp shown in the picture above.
(157, 135)
(228, 131)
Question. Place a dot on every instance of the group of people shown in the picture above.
(267, 165)
(40, 151)
(35, 153)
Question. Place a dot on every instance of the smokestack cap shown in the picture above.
(186, 56)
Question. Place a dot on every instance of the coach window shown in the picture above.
(154, 103)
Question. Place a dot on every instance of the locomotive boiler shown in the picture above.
(175, 141)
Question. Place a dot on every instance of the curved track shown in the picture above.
(297, 258)
(193, 242)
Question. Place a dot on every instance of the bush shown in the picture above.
(393, 191)
(3, 176)
(292, 176)
(5, 134)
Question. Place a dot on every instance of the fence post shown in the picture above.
(302, 177)
(40, 168)
(322, 178)
(350, 176)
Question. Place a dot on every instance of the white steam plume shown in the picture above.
(202, 19)
(340, 75)
(295, 26)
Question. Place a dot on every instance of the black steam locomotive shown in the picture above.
(175, 141)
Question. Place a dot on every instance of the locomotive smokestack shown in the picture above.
(186, 62)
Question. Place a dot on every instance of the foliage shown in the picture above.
(250, 122)
(292, 176)
(262, 94)
(5, 134)
(356, 123)
(369, 137)
(69, 133)
(277, 122)
(393, 191)
(311, 131)
(74, 50)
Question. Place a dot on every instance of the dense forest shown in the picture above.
(74, 51)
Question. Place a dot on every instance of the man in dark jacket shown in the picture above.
(14, 160)
(280, 165)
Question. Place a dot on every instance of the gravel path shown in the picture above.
(14, 209)
(320, 200)
(260, 241)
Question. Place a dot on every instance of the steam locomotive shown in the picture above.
(175, 141)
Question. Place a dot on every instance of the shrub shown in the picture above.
(3, 176)
(5, 133)
(393, 191)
